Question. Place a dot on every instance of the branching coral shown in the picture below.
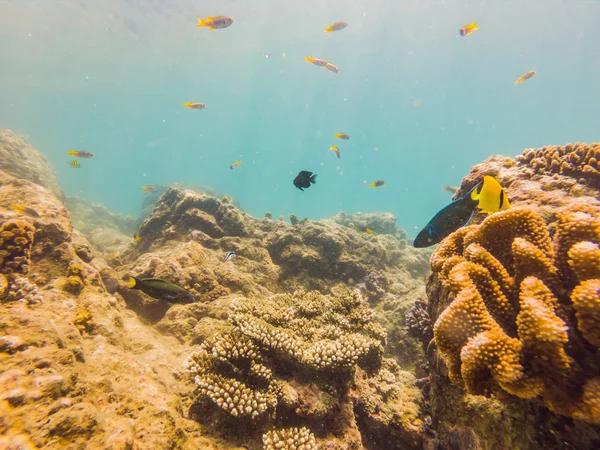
(574, 160)
(324, 333)
(516, 292)
(289, 439)
(16, 239)
(247, 372)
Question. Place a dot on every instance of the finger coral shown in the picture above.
(574, 160)
(522, 307)
(16, 239)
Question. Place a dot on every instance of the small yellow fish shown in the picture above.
(235, 164)
(316, 61)
(24, 210)
(75, 164)
(336, 27)
(149, 188)
(525, 77)
(291, 248)
(333, 148)
(194, 105)
(377, 183)
(136, 238)
(80, 154)
(332, 67)
(343, 136)
(216, 22)
(368, 230)
(468, 29)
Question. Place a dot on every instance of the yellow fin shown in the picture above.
(474, 25)
(492, 197)
(188, 104)
(132, 283)
(202, 22)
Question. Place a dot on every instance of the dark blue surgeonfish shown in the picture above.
(161, 290)
(487, 195)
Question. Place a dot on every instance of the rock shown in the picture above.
(19, 159)
(12, 344)
(75, 423)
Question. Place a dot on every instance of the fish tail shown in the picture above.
(474, 25)
(313, 179)
(308, 58)
(188, 104)
(203, 23)
(133, 281)
(72, 152)
(327, 30)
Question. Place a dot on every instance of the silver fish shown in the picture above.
(229, 256)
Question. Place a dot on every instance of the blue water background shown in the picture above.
(421, 103)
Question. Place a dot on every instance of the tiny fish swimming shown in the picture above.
(235, 164)
(80, 154)
(229, 256)
(215, 22)
(194, 105)
(336, 27)
(74, 164)
(376, 184)
(149, 188)
(336, 150)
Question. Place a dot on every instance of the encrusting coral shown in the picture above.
(511, 325)
(16, 240)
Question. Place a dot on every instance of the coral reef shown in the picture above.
(16, 239)
(418, 322)
(290, 359)
(508, 327)
(289, 439)
(580, 161)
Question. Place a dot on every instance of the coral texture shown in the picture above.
(289, 439)
(510, 327)
(290, 359)
(574, 160)
(16, 239)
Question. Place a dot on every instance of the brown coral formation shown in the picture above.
(581, 161)
(510, 327)
(16, 239)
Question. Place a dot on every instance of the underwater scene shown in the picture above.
(334, 225)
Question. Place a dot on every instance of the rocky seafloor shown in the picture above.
(316, 335)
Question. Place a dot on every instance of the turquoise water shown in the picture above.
(421, 103)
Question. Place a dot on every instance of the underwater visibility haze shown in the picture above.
(420, 102)
(299, 225)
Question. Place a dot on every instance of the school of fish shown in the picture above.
(486, 197)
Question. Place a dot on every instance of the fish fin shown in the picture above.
(475, 26)
(313, 179)
(132, 282)
(188, 104)
(212, 29)
(470, 217)
(327, 30)
(308, 58)
(202, 22)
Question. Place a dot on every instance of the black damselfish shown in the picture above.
(304, 179)
(161, 290)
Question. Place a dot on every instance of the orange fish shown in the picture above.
(235, 164)
(136, 238)
(194, 105)
(336, 27)
(343, 136)
(377, 183)
(335, 149)
(368, 230)
(525, 77)
(468, 29)
(149, 188)
(216, 22)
